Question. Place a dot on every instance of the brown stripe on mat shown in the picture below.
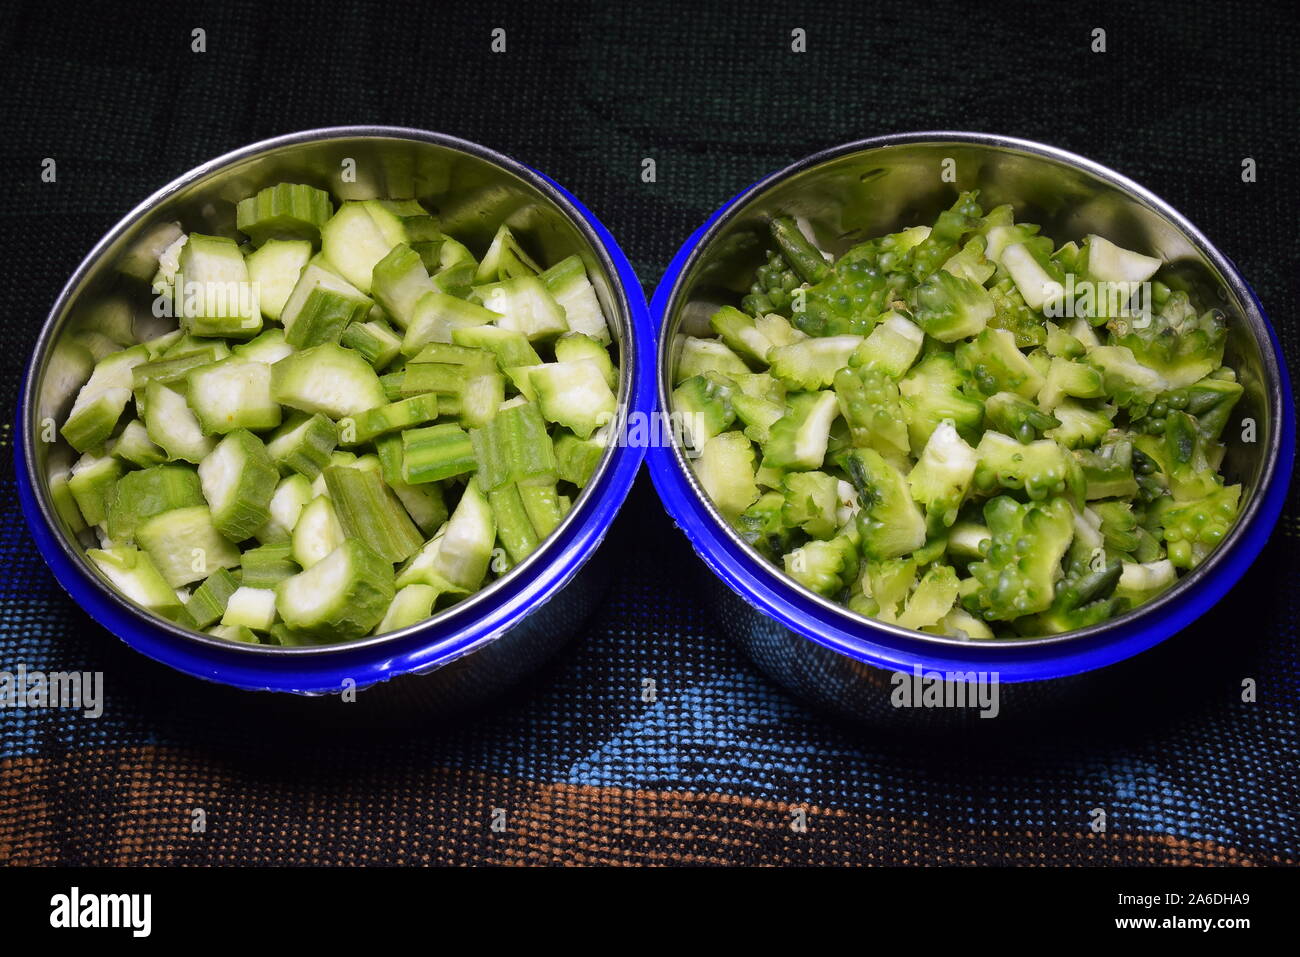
(136, 806)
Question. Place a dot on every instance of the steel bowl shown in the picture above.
(844, 195)
(473, 649)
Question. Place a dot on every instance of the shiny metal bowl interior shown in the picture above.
(470, 188)
(861, 190)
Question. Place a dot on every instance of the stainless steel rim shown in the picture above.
(463, 612)
(838, 616)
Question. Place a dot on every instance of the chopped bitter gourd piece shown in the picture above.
(725, 468)
(139, 496)
(232, 393)
(870, 402)
(932, 393)
(812, 363)
(941, 478)
(888, 521)
(133, 574)
(185, 545)
(368, 510)
(239, 478)
(824, 567)
(699, 356)
(811, 502)
(341, 597)
(436, 452)
(514, 447)
(285, 211)
(1038, 468)
(1012, 415)
(950, 308)
(574, 394)
(798, 440)
(995, 364)
(208, 603)
(214, 296)
(934, 597)
(891, 347)
(1018, 573)
(739, 331)
(703, 407)
(328, 379)
(1093, 444)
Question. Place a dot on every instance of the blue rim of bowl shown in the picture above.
(458, 631)
(772, 593)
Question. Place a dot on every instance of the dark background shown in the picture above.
(711, 771)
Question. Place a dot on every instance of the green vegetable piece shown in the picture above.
(799, 439)
(1038, 468)
(368, 510)
(941, 478)
(208, 603)
(932, 392)
(328, 379)
(889, 521)
(341, 597)
(514, 448)
(1027, 543)
(303, 444)
(268, 565)
(185, 546)
(133, 574)
(101, 401)
(948, 307)
(286, 211)
(725, 467)
(436, 452)
(238, 481)
(811, 364)
(214, 296)
(574, 394)
(91, 484)
(139, 496)
(233, 393)
(870, 402)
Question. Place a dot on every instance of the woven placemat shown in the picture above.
(722, 766)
